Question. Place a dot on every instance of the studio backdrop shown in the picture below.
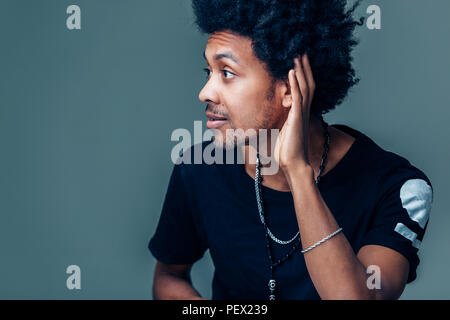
(88, 104)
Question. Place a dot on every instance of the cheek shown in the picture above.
(242, 118)
(244, 108)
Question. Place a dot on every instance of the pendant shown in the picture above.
(272, 285)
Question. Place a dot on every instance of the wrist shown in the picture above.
(302, 173)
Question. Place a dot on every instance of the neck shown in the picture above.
(278, 181)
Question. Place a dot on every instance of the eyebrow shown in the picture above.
(224, 55)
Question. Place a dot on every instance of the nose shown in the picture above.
(208, 94)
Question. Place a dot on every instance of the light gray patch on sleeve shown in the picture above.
(417, 196)
(408, 234)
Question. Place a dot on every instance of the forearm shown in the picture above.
(333, 266)
(171, 287)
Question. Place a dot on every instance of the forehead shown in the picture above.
(225, 42)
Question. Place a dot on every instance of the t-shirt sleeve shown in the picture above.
(401, 218)
(177, 239)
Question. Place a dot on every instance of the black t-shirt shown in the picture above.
(376, 196)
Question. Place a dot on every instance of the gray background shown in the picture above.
(86, 118)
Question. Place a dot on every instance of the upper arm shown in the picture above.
(393, 266)
(396, 230)
(178, 270)
(179, 237)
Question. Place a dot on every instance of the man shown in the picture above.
(339, 207)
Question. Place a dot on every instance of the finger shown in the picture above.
(309, 75)
(300, 74)
(296, 98)
(295, 91)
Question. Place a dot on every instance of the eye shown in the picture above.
(207, 72)
(226, 71)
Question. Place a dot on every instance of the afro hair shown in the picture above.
(281, 30)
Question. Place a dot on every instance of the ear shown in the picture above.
(285, 91)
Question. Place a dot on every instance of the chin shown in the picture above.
(222, 143)
(228, 139)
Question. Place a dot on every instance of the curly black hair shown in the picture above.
(281, 30)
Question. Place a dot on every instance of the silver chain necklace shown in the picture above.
(268, 233)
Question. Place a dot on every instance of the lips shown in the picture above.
(214, 121)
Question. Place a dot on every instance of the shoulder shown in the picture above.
(386, 169)
(396, 174)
